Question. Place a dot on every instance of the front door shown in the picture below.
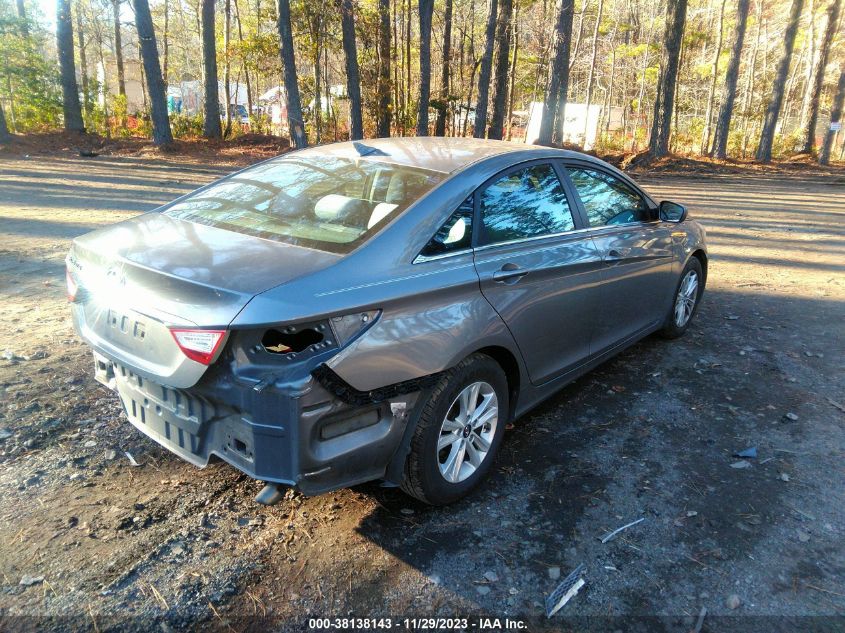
(540, 273)
(637, 253)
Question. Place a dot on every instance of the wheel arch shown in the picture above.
(701, 256)
(513, 371)
(510, 365)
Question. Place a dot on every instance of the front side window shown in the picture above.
(455, 234)
(323, 202)
(607, 199)
(529, 202)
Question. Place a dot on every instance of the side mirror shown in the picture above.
(672, 212)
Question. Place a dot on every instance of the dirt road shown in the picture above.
(92, 541)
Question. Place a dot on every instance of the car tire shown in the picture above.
(685, 301)
(460, 394)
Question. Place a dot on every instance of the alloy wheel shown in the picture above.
(685, 301)
(467, 432)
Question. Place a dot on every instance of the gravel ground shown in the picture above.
(90, 541)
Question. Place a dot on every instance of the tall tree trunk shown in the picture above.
(316, 29)
(573, 57)
(292, 100)
(440, 124)
(558, 81)
(103, 88)
(118, 48)
(485, 70)
(592, 69)
(714, 74)
(500, 77)
(22, 17)
(767, 135)
(512, 84)
(83, 67)
(835, 117)
(607, 114)
(723, 123)
(353, 77)
(227, 67)
(165, 37)
(750, 81)
(406, 115)
(211, 122)
(152, 70)
(811, 66)
(676, 13)
(398, 96)
(426, 8)
(383, 88)
(247, 77)
(70, 90)
(818, 80)
(5, 137)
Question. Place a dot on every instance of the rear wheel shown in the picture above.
(458, 432)
(685, 304)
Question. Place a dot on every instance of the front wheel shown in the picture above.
(458, 432)
(687, 295)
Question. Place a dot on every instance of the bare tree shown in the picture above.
(152, 72)
(22, 16)
(426, 8)
(211, 120)
(440, 124)
(353, 81)
(676, 13)
(5, 137)
(767, 136)
(500, 78)
(292, 100)
(592, 66)
(83, 66)
(118, 48)
(835, 117)
(714, 74)
(227, 66)
(558, 81)
(723, 122)
(383, 88)
(70, 89)
(818, 78)
(485, 70)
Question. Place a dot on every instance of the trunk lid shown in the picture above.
(139, 277)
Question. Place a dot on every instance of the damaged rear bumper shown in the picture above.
(295, 432)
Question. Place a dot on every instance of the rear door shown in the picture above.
(538, 268)
(636, 250)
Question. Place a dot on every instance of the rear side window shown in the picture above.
(607, 199)
(529, 202)
(455, 234)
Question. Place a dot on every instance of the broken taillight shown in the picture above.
(198, 345)
(72, 286)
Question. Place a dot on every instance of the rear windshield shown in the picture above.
(327, 203)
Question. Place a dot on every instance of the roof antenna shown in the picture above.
(367, 150)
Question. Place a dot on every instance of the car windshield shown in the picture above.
(328, 203)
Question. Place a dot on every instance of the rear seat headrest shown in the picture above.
(381, 210)
(336, 207)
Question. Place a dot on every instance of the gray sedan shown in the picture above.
(377, 310)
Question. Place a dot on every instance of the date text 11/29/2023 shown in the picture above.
(416, 624)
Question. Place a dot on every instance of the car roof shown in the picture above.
(434, 153)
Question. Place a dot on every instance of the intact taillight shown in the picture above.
(198, 345)
(72, 286)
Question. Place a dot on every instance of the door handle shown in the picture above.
(510, 273)
(618, 253)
